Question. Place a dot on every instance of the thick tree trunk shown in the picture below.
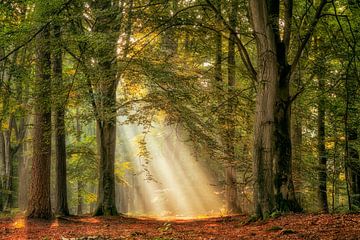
(39, 205)
(273, 187)
(106, 136)
(267, 78)
(59, 121)
(284, 187)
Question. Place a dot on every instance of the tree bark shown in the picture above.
(230, 171)
(273, 187)
(106, 136)
(8, 167)
(24, 177)
(2, 170)
(24, 162)
(39, 205)
(267, 78)
(80, 201)
(80, 185)
(296, 141)
(59, 122)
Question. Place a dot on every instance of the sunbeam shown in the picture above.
(170, 182)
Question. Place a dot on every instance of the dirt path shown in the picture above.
(299, 226)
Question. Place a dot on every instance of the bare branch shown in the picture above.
(245, 57)
(288, 4)
(307, 36)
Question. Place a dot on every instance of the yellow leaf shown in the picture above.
(71, 71)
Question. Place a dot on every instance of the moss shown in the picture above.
(275, 228)
(287, 231)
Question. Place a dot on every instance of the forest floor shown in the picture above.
(294, 226)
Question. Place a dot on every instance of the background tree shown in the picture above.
(59, 124)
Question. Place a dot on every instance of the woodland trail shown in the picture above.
(294, 226)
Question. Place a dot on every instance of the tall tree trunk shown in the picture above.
(23, 172)
(322, 172)
(80, 185)
(61, 207)
(80, 200)
(106, 136)
(230, 172)
(39, 205)
(8, 167)
(352, 158)
(335, 172)
(24, 163)
(267, 77)
(296, 141)
(2, 170)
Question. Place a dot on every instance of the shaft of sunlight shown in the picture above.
(170, 181)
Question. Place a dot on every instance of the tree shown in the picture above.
(230, 170)
(322, 154)
(273, 188)
(106, 25)
(59, 125)
(39, 205)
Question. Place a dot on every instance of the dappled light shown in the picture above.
(19, 223)
(55, 224)
(90, 220)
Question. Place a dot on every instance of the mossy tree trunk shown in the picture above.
(107, 26)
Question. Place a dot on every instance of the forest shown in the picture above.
(179, 119)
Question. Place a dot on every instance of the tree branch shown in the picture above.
(288, 4)
(307, 37)
(245, 57)
(36, 33)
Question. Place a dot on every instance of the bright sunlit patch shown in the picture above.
(207, 64)
(55, 224)
(89, 220)
(167, 180)
(19, 223)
